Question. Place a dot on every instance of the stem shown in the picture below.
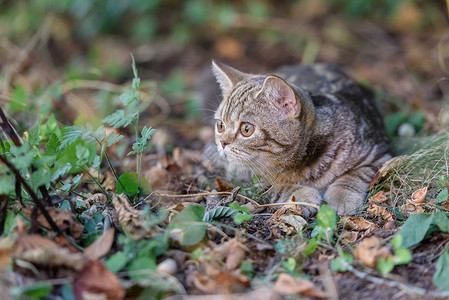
(97, 183)
(32, 194)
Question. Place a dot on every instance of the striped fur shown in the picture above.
(317, 134)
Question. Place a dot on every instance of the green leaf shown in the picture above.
(87, 134)
(443, 195)
(385, 265)
(311, 246)
(36, 290)
(127, 97)
(34, 138)
(128, 184)
(5, 147)
(218, 213)
(441, 220)
(111, 139)
(53, 144)
(119, 119)
(396, 241)
(246, 268)
(192, 233)
(239, 208)
(415, 228)
(116, 261)
(142, 142)
(240, 218)
(402, 256)
(441, 276)
(141, 263)
(339, 264)
(197, 254)
(61, 171)
(19, 99)
(290, 264)
(327, 218)
(39, 178)
(96, 162)
(6, 184)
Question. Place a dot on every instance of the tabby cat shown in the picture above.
(309, 131)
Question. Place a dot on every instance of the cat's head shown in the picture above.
(261, 121)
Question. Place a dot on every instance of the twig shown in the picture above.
(395, 284)
(211, 193)
(289, 203)
(32, 194)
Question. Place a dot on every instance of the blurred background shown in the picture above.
(70, 59)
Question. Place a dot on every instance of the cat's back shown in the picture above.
(318, 79)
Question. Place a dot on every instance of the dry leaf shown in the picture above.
(350, 237)
(130, 217)
(221, 185)
(95, 198)
(380, 197)
(411, 208)
(391, 164)
(96, 279)
(157, 177)
(419, 196)
(288, 285)
(101, 246)
(6, 248)
(235, 256)
(222, 283)
(369, 251)
(292, 224)
(356, 223)
(65, 220)
(381, 211)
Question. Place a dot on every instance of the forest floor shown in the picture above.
(183, 228)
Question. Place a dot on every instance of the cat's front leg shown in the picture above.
(302, 194)
(347, 194)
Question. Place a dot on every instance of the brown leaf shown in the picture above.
(96, 279)
(223, 283)
(221, 185)
(356, 223)
(411, 208)
(419, 196)
(101, 246)
(65, 220)
(130, 218)
(391, 164)
(235, 256)
(95, 198)
(350, 237)
(288, 285)
(380, 197)
(381, 211)
(6, 248)
(369, 250)
(157, 177)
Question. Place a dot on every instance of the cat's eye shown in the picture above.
(247, 129)
(220, 126)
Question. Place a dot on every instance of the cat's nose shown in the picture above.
(223, 144)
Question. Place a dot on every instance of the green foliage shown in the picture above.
(19, 99)
(418, 225)
(189, 220)
(219, 213)
(326, 223)
(35, 290)
(341, 263)
(242, 214)
(142, 142)
(441, 276)
(128, 184)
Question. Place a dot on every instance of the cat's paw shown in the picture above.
(302, 194)
(344, 202)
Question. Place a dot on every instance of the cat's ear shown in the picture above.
(277, 90)
(226, 76)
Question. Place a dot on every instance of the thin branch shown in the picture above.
(32, 194)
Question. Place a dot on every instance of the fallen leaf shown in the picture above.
(356, 223)
(235, 256)
(419, 196)
(391, 164)
(101, 246)
(380, 197)
(6, 248)
(130, 218)
(223, 283)
(369, 250)
(95, 198)
(411, 208)
(292, 223)
(288, 285)
(350, 237)
(95, 279)
(65, 220)
(157, 177)
(381, 211)
(221, 185)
